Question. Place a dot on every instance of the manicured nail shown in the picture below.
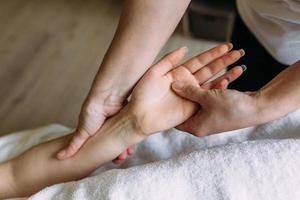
(230, 46)
(186, 49)
(177, 85)
(242, 52)
(244, 67)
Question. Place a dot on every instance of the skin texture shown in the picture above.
(158, 79)
(225, 110)
(143, 29)
(38, 167)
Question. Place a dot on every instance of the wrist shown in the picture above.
(116, 135)
(111, 95)
(280, 96)
(268, 107)
(112, 86)
(132, 131)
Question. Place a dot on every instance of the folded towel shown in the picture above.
(251, 170)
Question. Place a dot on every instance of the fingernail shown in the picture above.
(177, 85)
(242, 52)
(62, 154)
(186, 49)
(230, 46)
(244, 67)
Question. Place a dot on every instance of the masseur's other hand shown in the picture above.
(96, 109)
(220, 109)
(157, 107)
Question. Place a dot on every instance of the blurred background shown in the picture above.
(51, 50)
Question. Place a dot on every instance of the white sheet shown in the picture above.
(254, 163)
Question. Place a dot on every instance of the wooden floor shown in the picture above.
(49, 54)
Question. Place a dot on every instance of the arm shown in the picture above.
(143, 29)
(38, 167)
(282, 95)
(225, 110)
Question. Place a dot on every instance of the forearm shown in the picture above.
(282, 95)
(143, 29)
(38, 167)
(7, 185)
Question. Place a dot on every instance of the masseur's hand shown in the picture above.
(142, 31)
(96, 109)
(220, 109)
(225, 110)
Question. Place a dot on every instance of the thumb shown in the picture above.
(190, 92)
(78, 139)
(170, 61)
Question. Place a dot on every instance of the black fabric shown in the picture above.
(262, 67)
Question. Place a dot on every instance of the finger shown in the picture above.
(76, 142)
(207, 72)
(169, 61)
(230, 76)
(223, 84)
(130, 151)
(190, 92)
(123, 155)
(117, 161)
(120, 158)
(199, 61)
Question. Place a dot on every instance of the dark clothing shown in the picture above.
(261, 66)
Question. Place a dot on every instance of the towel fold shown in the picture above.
(254, 163)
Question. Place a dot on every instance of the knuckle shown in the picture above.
(199, 61)
(207, 71)
(81, 136)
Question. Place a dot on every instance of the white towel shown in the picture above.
(254, 163)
